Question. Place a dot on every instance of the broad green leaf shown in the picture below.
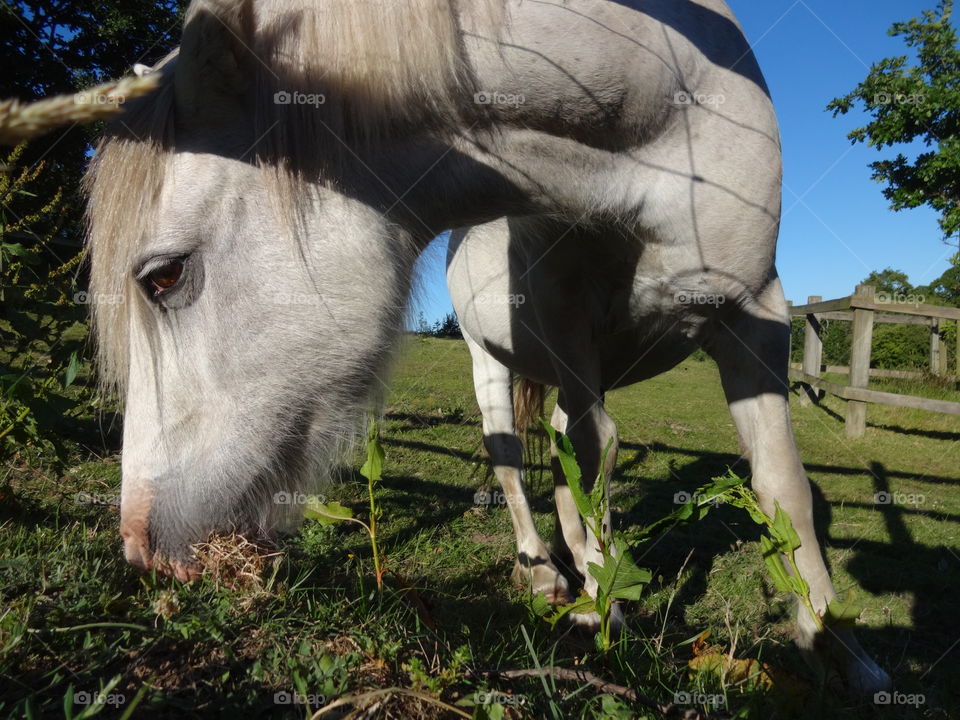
(783, 531)
(72, 368)
(798, 585)
(571, 470)
(372, 469)
(539, 605)
(583, 604)
(14, 249)
(619, 577)
(327, 513)
(615, 709)
(597, 495)
(771, 556)
(841, 613)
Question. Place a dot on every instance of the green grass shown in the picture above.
(74, 616)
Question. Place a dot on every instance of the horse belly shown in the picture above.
(628, 358)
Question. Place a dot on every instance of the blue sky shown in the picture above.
(812, 51)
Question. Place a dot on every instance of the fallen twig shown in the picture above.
(601, 685)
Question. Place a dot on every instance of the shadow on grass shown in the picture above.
(918, 656)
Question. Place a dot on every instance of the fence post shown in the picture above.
(935, 368)
(812, 353)
(862, 341)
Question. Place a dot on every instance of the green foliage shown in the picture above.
(836, 338)
(44, 381)
(60, 569)
(619, 577)
(778, 547)
(446, 327)
(889, 281)
(333, 512)
(900, 346)
(947, 286)
(56, 47)
(916, 102)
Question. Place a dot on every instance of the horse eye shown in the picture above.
(164, 278)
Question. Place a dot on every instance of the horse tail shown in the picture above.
(529, 398)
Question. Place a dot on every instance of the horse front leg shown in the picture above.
(493, 386)
(751, 349)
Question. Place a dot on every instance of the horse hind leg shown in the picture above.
(751, 349)
(493, 385)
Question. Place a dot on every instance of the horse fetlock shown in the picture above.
(836, 652)
(542, 576)
(865, 677)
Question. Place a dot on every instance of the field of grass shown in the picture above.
(75, 620)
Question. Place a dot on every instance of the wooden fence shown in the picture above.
(864, 308)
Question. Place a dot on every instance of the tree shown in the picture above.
(893, 282)
(423, 327)
(916, 102)
(51, 47)
(947, 286)
(448, 327)
(61, 46)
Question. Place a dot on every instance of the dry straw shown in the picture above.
(235, 562)
(20, 122)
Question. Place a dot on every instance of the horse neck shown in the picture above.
(471, 179)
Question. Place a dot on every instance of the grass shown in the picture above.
(74, 617)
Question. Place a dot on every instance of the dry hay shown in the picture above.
(236, 563)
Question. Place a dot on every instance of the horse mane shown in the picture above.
(382, 67)
(123, 185)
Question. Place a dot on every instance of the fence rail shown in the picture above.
(865, 308)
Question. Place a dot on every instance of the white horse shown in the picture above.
(588, 312)
(254, 225)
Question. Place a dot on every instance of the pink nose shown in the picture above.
(135, 549)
